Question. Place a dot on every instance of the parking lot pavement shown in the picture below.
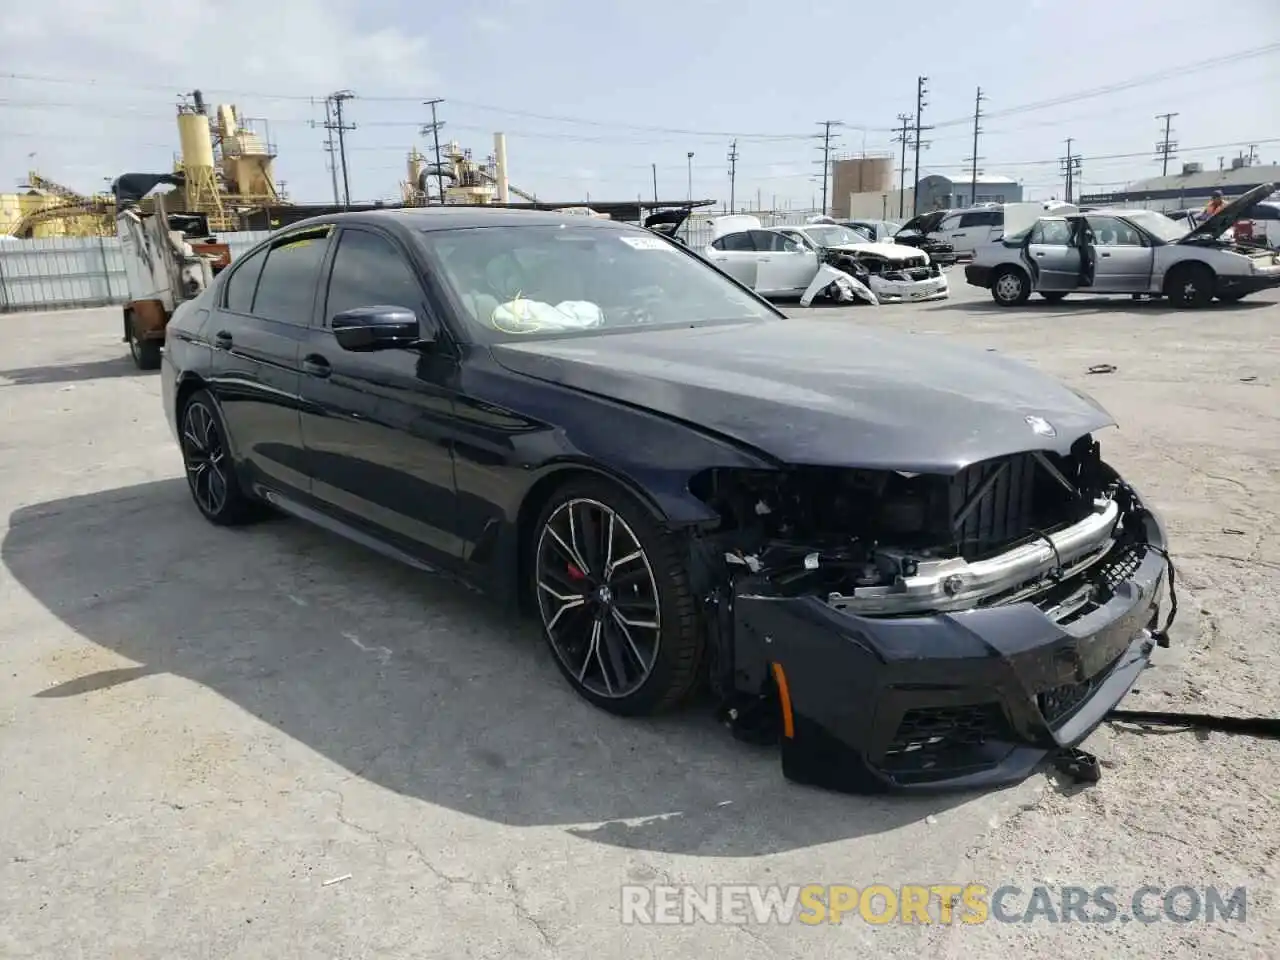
(200, 728)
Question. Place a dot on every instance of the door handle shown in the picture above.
(763, 260)
(1106, 254)
(222, 340)
(959, 234)
(1039, 254)
(316, 365)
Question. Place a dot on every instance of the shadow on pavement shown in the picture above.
(405, 680)
(1085, 304)
(71, 372)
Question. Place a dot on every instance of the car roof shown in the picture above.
(458, 217)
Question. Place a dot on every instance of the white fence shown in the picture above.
(59, 273)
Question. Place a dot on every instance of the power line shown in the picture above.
(329, 145)
(903, 138)
(921, 103)
(1166, 147)
(977, 118)
(733, 176)
(826, 155)
(1070, 167)
(337, 124)
(434, 129)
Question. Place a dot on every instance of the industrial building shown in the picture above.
(938, 192)
(1191, 187)
(855, 179)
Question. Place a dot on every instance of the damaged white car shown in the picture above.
(894, 272)
(775, 265)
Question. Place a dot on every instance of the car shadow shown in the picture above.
(1089, 304)
(407, 681)
(71, 372)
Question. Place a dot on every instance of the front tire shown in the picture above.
(614, 599)
(1010, 287)
(206, 455)
(1190, 285)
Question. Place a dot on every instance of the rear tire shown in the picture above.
(206, 456)
(1010, 287)
(145, 353)
(1189, 285)
(593, 617)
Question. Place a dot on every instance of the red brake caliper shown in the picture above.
(575, 573)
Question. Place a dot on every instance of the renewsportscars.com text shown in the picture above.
(969, 903)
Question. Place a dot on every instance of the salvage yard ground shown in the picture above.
(200, 728)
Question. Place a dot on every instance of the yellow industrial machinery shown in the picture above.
(53, 210)
(228, 166)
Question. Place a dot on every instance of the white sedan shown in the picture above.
(784, 261)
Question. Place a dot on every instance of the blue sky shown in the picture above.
(637, 84)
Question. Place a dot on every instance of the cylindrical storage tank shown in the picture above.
(197, 144)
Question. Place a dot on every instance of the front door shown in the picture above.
(735, 254)
(376, 424)
(257, 331)
(785, 265)
(1054, 262)
(1123, 261)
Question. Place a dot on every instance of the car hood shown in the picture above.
(823, 392)
(890, 251)
(1215, 226)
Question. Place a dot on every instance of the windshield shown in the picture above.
(1158, 225)
(834, 236)
(517, 282)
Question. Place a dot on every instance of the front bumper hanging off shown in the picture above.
(972, 698)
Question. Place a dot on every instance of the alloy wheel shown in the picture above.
(205, 457)
(598, 598)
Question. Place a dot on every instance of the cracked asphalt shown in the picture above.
(271, 743)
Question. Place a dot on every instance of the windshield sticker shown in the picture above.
(646, 243)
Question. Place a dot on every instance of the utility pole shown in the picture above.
(1253, 155)
(826, 155)
(903, 138)
(433, 128)
(330, 146)
(1166, 147)
(1070, 167)
(689, 158)
(733, 174)
(921, 103)
(335, 123)
(655, 182)
(973, 176)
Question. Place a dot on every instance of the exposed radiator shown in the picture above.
(1004, 510)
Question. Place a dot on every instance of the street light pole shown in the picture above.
(690, 159)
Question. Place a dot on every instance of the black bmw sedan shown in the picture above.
(905, 562)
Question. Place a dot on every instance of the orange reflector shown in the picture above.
(784, 700)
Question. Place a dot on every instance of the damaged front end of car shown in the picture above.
(897, 630)
(892, 279)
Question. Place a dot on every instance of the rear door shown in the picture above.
(1123, 258)
(1054, 262)
(257, 331)
(974, 228)
(377, 424)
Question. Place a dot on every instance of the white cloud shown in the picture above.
(232, 49)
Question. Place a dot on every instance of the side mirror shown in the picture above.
(377, 328)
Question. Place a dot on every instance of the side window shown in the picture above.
(717, 243)
(287, 289)
(1110, 232)
(949, 223)
(242, 282)
(737, 242)
(1052, 232)
(982, 218)
(765, 241)
(369, 271)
